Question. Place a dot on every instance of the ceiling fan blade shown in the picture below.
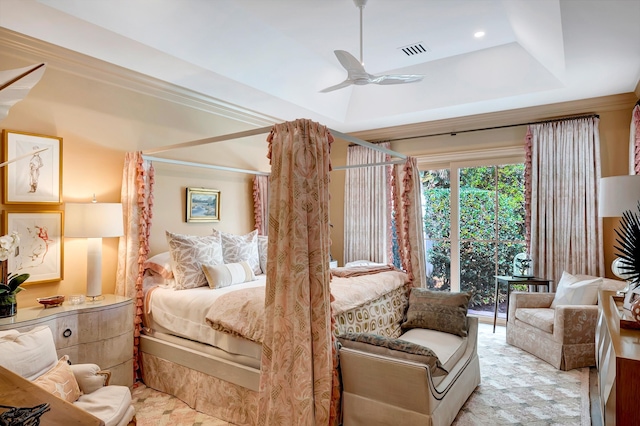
(396, 79)
(347, 82)
(349, 62)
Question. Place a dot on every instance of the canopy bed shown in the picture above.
(289, 375)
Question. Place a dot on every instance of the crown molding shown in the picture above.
(502, 118)
(33, 50)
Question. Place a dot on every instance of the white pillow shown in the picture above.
(238, 248)
(219, 276)
(188, 254)
(575, 291)
(29, 354)
(161, 264)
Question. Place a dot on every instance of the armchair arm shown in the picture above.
(523, 299)
(575, 323)
(90, 377)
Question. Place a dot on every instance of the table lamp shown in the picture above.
(93, 221)
(617, 195)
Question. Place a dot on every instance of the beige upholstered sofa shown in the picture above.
(32, 355)
(385, 390)
(563, 336)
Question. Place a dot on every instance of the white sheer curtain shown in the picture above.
(563, 170)
(366, 222)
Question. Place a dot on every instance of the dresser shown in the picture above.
(618, 362)
(99, 332)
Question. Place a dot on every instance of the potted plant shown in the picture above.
(11, 283)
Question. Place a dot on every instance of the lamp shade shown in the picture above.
(618, 194)
(93, 220)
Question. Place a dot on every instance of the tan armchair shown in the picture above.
(32, 355)
(564, 337)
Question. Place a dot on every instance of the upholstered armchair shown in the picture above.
(561, 334)
(32, 355)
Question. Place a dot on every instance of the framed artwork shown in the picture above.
(34, 175)
(40, 253)
(203, 205)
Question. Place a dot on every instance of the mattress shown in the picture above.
(372, 303)
(182, 313)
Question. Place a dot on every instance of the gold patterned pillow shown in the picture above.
(60, 381)
(188, 254)
(438, 310)
(238, 248)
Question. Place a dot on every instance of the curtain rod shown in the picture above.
(263, 130)
(453, 133)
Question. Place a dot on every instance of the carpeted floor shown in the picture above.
(517, 389)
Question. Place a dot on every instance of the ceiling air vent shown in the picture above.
(414, 49)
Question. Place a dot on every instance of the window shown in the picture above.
(474, 226)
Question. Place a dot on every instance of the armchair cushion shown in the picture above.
(110, 404)
(540, 318)
(395, 348)
(60, 381)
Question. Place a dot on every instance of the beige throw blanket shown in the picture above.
(241, 312)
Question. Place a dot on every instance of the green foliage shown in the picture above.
(13, 285)
(491, 227)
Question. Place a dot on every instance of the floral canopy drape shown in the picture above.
(562, 171)
(137, 202)
(298, 381)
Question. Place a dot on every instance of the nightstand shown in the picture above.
(98, 332)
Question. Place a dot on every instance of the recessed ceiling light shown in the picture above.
(478, 34)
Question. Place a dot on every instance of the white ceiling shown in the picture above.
(274, 56)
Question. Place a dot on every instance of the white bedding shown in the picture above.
(179, 313)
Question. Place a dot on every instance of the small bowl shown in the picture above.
(50, 302)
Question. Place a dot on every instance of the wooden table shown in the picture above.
(510, 281)
(16, 391)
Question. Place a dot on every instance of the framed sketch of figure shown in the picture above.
(34, 172)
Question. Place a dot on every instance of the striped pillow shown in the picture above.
(219, 276)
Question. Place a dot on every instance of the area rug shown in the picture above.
(517, 389)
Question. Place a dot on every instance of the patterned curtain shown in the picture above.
(137, 201)
(366, 230)
(561, 190)
(408, 213)
(634, 141)
(298, 381)
(261, 203)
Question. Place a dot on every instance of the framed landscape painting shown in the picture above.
(34, 172)
(40, 253)
(203, 205)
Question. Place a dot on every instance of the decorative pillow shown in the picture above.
(60, 381)
(236, 248)
(575, 291)
(263, 245)
(395, 348)
(30, 353)
(219, 276)
(438, 310)
(188, 254)
(161, 264)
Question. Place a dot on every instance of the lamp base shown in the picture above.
(91, 299)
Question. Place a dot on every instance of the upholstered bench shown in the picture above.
(398, 382)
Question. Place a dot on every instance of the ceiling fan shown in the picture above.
(356, 73)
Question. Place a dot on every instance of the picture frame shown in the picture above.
(630, 297)
(203, 205)
(34, 175)
(41, 250)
